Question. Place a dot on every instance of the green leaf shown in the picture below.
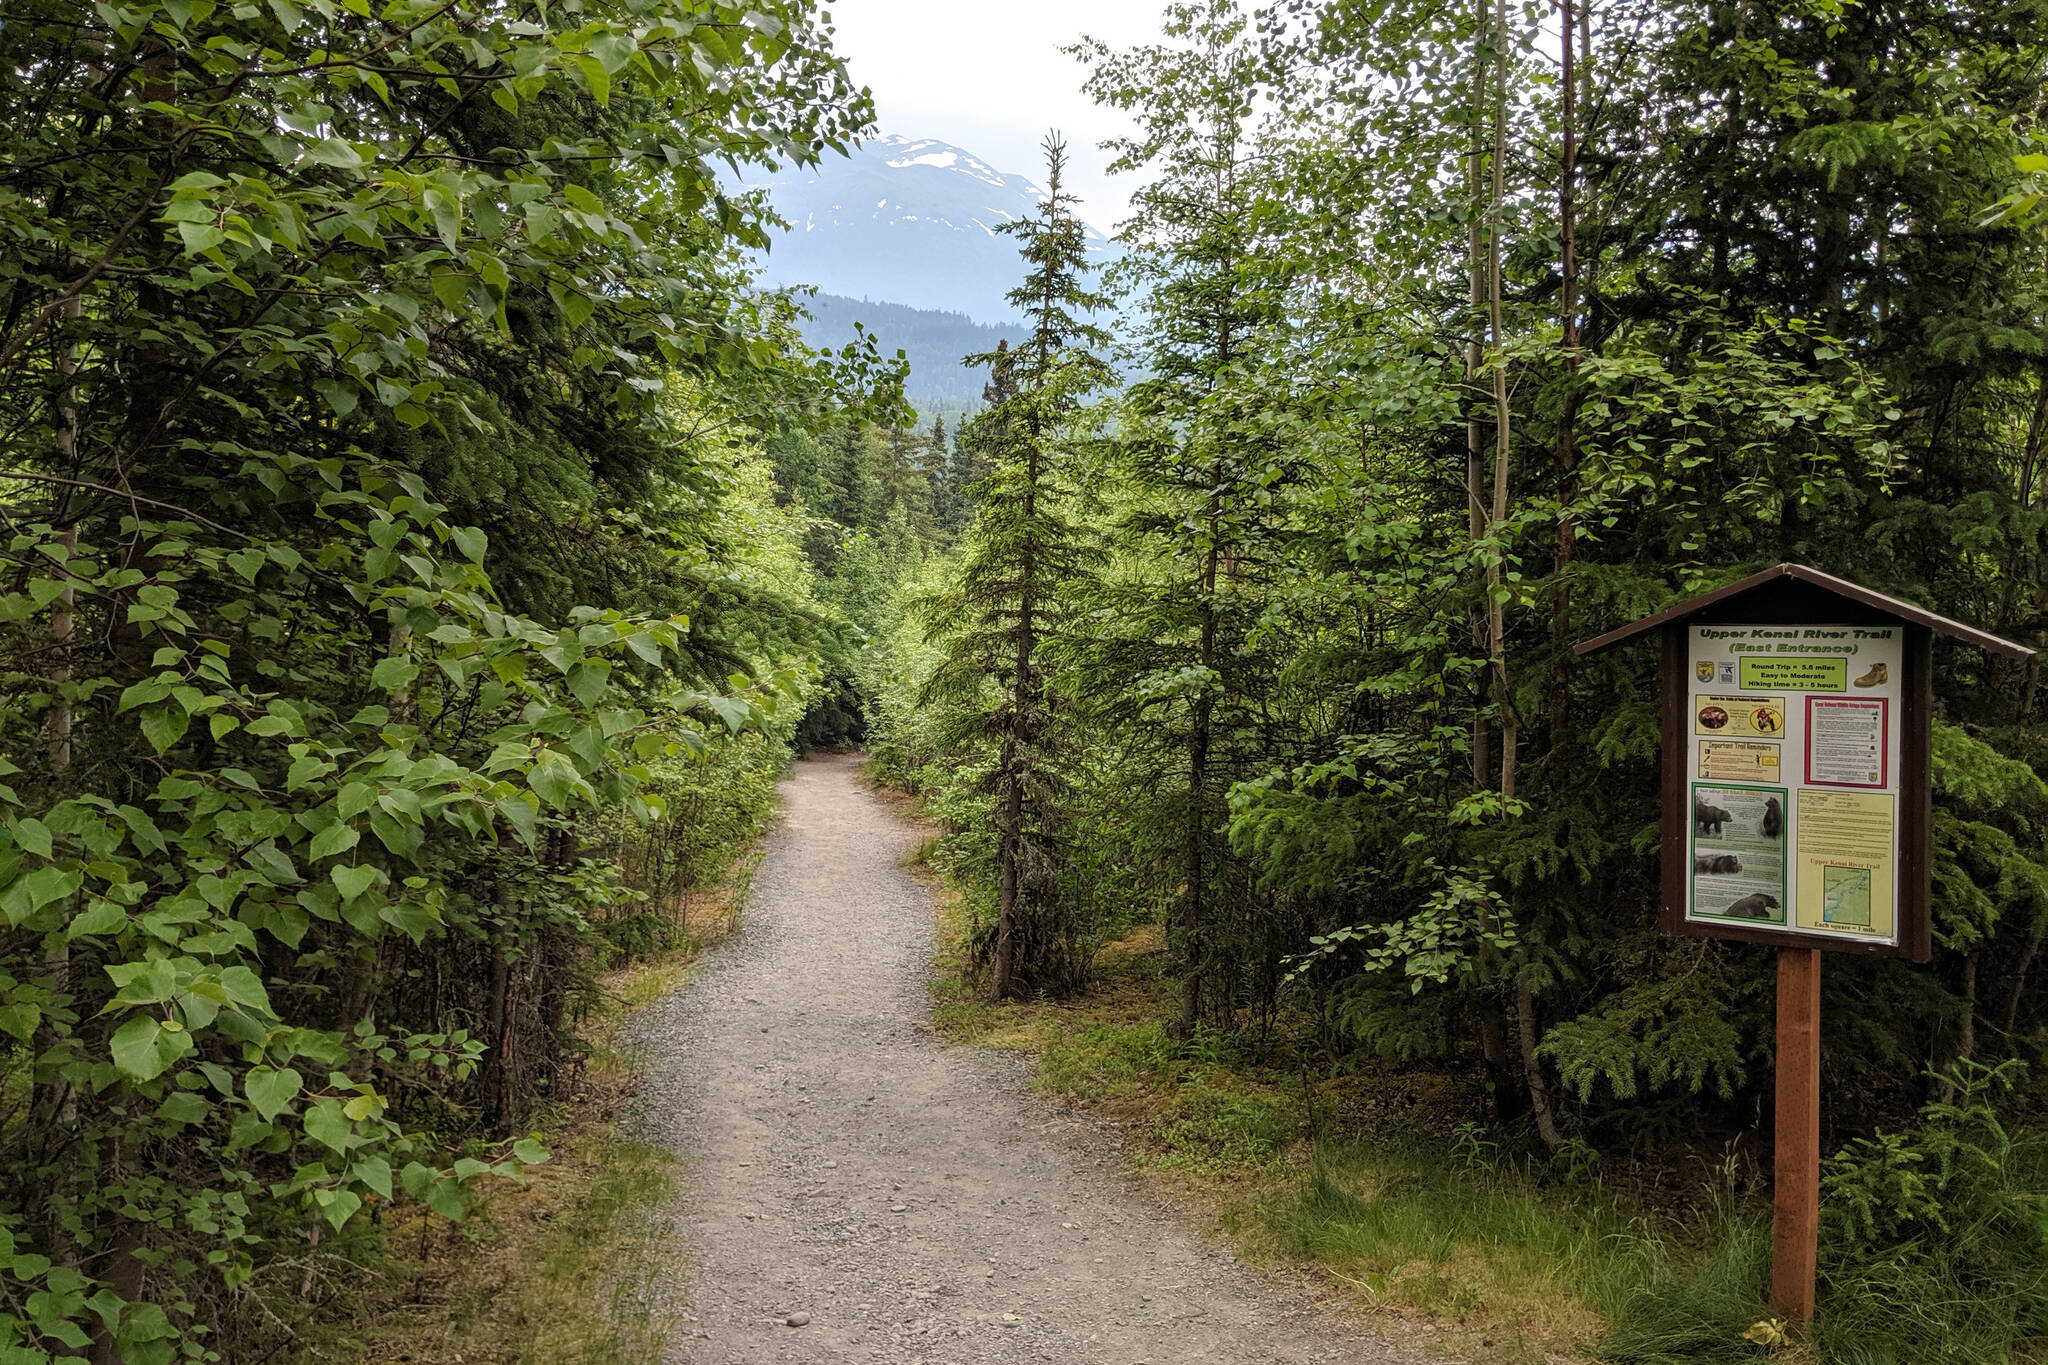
(327, 1125)
(305, 770)
(20, 1019)
(245, 988)
(144, 1047)
(183, 1107)
(449, 1199)
(554, 778)
(165, 725)
(595, 78)
(453, 291)
(394, 673)
(415, 921)
(529, 1151)
(341, 397)
(33, 835)
(521, 812)
(335, 152)
(100, 916)
(471, 541)
(271, 1089)
(338, 1206)
(587, 681)
(375, 1172)
(31, 893)
(339, 837)
(354, 881)
(355, 798)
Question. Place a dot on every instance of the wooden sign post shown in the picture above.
(1795, 1174)
(1797, 811)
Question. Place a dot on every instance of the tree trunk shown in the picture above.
(1192, 918)
(1018, 744)
(1532, 1066)
(1006, 918)
(1568, 343)
(1966, 1040)
(1475, 504)
(1503, 426)
(498, 1071)
(57, 1104)
(1496, 621)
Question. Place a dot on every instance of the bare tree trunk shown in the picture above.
(1966, 1040)
(1018, 744)
(1532, 1065)
(1006, 918)
(1503, 425)
(1496, 621)
(2018, 992)
(1192, 919)
(1568, 342)
(1475, 503)
(57, 1106)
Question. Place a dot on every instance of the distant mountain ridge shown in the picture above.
(933, 341)
(908, 221)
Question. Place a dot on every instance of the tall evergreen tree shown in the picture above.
(1024, 558)
(948, 504)
(1202, 465)
(853, 491)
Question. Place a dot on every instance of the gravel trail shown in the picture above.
(910, 1202)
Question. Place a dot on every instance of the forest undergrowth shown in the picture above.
(1476, 1244)
(560, 1269)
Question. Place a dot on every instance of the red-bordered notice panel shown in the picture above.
(1848, 742)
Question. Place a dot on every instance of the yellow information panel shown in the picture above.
(1847, 858)
(1740, 760)
(1739, 717)
(1793, 776)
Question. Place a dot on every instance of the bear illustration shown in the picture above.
(1774, 819)
(1709, 818)
(1758, 906)
(1717, 864)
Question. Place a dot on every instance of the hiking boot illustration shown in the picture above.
(1874, 678)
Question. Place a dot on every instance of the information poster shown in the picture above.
(1792, 774)
(1741, 760)
(1847, 846)
(1738, 853)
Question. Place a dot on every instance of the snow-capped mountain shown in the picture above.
(902, 220)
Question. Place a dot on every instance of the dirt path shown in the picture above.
(912, 1198)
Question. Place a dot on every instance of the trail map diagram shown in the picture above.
(1845, 895)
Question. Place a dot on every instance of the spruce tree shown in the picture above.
(947, 503)
(1195, 447)
(1025, 555)
(853, 492)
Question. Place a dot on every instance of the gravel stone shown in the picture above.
(823, 996)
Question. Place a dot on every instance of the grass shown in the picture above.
(1423, 1226)
(560, 1273)
(1367, 1186)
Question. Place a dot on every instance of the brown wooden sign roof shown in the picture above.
(1722, 601)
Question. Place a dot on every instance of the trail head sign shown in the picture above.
(1793, 770)
(1798, 800)
(1798, 785)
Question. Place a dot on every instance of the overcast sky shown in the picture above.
(988, 76)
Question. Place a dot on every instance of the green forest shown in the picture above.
(426, 547)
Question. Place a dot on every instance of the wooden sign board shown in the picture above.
(1797, 812)
(1797, 783)
(1798, 713)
